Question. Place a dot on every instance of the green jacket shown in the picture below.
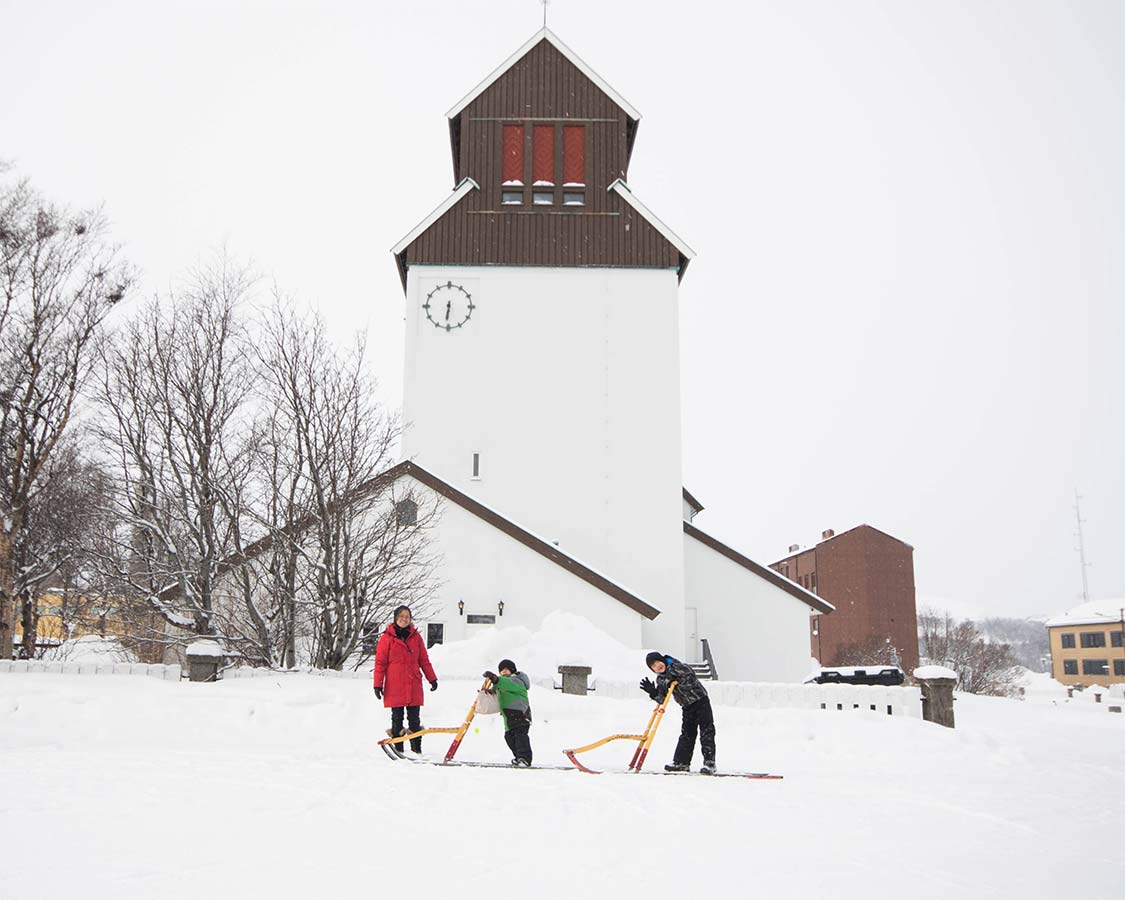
(511, 691)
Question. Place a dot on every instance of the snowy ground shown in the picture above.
(125, 787)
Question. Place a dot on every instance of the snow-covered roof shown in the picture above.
(544, 34)
(1095, 612)
(205, 647)
(620, 187)
(466, 185)
(790, 587)
(934, 672)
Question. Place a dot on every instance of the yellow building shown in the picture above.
(1088, 644)
(60, 613)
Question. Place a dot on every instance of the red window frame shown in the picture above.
(574, 155)
(543, 154)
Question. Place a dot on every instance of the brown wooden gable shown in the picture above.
(542, 87)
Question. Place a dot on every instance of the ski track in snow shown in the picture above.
(122, 787)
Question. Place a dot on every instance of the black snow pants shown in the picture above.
(413, 717)
(519, 742)
(698, 717)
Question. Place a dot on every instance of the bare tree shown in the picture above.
(175, 391)
(59, 279)
(982, 667)
(365, 541)
(874, 651)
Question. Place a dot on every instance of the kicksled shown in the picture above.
(392, 747)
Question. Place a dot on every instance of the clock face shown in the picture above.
(448, 306)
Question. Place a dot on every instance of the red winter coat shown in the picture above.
(399, 665)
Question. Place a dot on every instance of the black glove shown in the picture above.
(491, 676)
(378, 692)
(648, 687)
(433, 685)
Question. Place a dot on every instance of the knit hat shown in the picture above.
(653, 657)
(506, 664)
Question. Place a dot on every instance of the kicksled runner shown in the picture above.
(392, 746)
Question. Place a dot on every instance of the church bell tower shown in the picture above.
(542, 347)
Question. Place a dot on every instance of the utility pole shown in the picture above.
(1081, 547)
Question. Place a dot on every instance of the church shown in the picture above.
(542, 389)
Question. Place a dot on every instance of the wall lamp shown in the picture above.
(500, 607)
(460, 607)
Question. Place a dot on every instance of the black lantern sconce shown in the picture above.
(500, 607)
(460, 607)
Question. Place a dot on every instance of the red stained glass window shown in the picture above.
(543, 153)
(574, 154)
(513, 153)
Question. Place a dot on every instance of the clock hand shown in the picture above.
(448, 305)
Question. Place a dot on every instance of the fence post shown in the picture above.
(574, 679)
(937, 684)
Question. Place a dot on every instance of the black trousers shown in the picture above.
(698, 718)
(414, 718)
(519, 741)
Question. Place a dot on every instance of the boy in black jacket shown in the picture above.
(692, 696)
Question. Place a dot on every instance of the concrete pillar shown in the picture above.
(574, 679)
(937, 683)
(205, 660)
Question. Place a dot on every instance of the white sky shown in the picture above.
(910, 220)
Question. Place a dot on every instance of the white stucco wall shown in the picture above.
(566, 382)
(482, 565)
(757, 631)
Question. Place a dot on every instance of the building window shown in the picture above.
(512, 168)
(543, 198)
(511, 198)
(543, 156)
(1117, 638)
(1068, 641)
(1070, 667)
(1095, 667)
(476, 465)
(574, 165)
(435, 634)
(480, 620)
(814, 582)
(1119, 667)
(406, 513)
(1092, 638)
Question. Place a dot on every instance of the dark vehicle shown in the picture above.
(888, 675)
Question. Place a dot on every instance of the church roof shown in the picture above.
(544, 34)
(686, 252)
(522, 535)
(790, 587)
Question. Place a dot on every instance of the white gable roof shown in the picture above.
(466, 185)
(620, 187)
(548, 35)
(1095, 612)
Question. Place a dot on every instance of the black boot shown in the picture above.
(678, 767)
(708, 767)
(416, 745)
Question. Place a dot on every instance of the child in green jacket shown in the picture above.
(510, 687)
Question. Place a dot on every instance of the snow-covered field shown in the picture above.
(126, 787)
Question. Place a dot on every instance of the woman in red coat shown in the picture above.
(400, 661)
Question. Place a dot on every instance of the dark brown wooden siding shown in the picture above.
(543, 87)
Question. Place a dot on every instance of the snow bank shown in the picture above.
(563, 639)
(91, 648)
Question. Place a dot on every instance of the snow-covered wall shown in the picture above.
(756, 631)
(480, 565)
(564, 384)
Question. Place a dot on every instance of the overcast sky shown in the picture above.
(910, 218)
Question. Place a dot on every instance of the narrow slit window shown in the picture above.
(512, 172)
(543, 155)
(476, 465)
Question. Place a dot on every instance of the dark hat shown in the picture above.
(506, 664)
(653, 657)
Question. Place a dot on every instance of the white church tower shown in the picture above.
(542, 357)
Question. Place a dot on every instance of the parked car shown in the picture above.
(889, 675)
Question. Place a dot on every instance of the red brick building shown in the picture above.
(869, 577)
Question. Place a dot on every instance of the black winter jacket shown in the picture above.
(688, 690)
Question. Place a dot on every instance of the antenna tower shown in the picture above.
(1081, 547)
